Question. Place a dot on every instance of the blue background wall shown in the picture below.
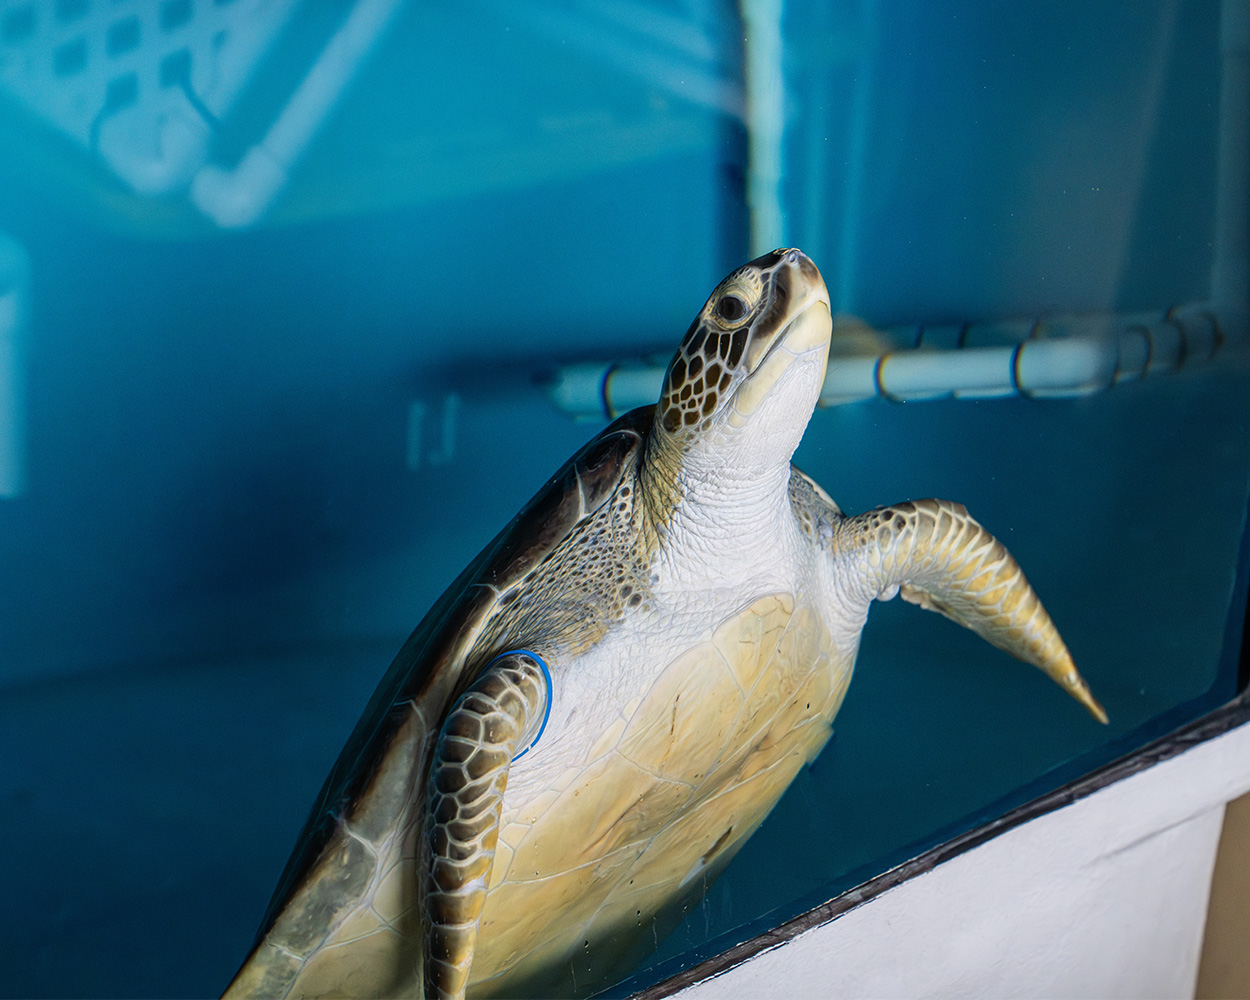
(218, 420)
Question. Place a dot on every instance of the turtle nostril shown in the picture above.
(792, 257)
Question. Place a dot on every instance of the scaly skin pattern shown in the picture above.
(495, 718)
(699, 604)
(941, 559)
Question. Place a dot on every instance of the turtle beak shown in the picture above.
(801, 325)
(795, 286)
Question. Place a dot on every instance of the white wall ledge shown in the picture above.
(1098, 889)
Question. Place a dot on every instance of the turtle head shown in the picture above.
(743, 384)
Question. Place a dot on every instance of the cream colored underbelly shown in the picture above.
(661, 801)
(637, 821)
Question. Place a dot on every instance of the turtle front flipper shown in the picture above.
(936, 555)
(495, 721)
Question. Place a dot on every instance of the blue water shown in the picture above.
(223, 540)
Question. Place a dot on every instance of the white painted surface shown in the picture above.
(1106, 897)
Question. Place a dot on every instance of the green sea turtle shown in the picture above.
(676, 614)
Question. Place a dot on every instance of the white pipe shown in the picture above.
(239, 197)
(765, 119)
(14, 309)
(1060, 357)
(597, 390)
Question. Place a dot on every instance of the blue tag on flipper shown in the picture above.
(547, 710)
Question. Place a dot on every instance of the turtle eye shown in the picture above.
(731, 308)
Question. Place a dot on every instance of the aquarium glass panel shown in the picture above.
(301, 302)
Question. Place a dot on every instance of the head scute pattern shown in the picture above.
(711, 356)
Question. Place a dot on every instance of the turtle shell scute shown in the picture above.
(575, 491)
(441, 656)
